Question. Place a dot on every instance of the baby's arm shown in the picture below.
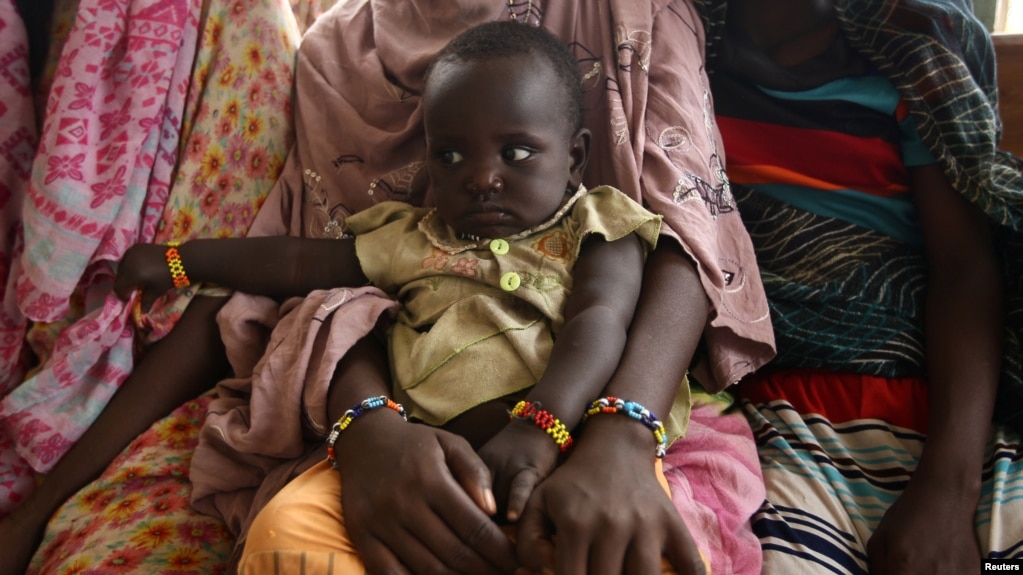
(931, 525)
(278, 266)
(606, 283)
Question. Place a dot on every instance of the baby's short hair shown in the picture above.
(505, 38)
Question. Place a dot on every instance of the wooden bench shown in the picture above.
(1009, 51)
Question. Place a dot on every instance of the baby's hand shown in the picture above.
(520, 456)
(143, 267)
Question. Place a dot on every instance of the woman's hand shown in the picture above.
(520, 456)
(928, 530)
(143, 267)
(603, 512)
(417, 499)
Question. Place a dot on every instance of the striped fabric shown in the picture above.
(940, 59)
(838, 450)
(785, 143)
(840, 425)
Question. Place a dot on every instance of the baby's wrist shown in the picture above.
(534, 413)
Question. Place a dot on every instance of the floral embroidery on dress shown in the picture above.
(555, 245)
(468, 267)
(437, 260)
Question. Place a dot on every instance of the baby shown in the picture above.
(516, 290)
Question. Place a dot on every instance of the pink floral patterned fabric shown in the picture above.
(99, 181)
(235, 134)
(136, 517)
(209, 118)
(109, 143)
(17, 147)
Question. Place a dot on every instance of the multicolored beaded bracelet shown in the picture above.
(611, 404)
(177, 269)
(545, 421)
(368, 404)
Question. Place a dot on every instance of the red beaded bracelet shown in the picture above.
(545, 421)
(177, 269)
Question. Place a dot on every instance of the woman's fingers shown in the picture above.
(421, 505)
(535, 543)
(681, 551)
(474, 525)
(469, 471)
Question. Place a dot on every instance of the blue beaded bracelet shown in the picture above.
(611, 404)
(368, 404)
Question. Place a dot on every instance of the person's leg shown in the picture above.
(303, 525)
(189, 361)
(836, 451)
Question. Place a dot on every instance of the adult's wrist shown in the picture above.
(616, 439)
(362, 429)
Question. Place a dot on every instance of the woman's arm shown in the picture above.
(618, 519)
(606, 284)
(931, 527)
(278, 267)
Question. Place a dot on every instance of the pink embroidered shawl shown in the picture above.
(17, 146)
(650, 110)
(99, 183)
(359, 142)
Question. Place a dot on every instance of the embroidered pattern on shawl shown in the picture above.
(650, 112)
(652, 123)
(105, 156)
(17, 146)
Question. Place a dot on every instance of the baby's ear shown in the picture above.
(579, 153)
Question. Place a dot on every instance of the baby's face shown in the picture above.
(501, 154)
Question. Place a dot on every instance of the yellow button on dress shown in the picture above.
(510, 281)
(499, 247)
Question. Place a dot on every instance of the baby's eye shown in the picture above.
(451, 157)
(517, 153)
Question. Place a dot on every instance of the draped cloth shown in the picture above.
(840, 420)
(359, 134)
(940, 58)
(99, 181)
(145, 138)
(17, 146)
(359, 141)
(136, 517)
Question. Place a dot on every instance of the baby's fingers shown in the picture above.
(522, 486)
